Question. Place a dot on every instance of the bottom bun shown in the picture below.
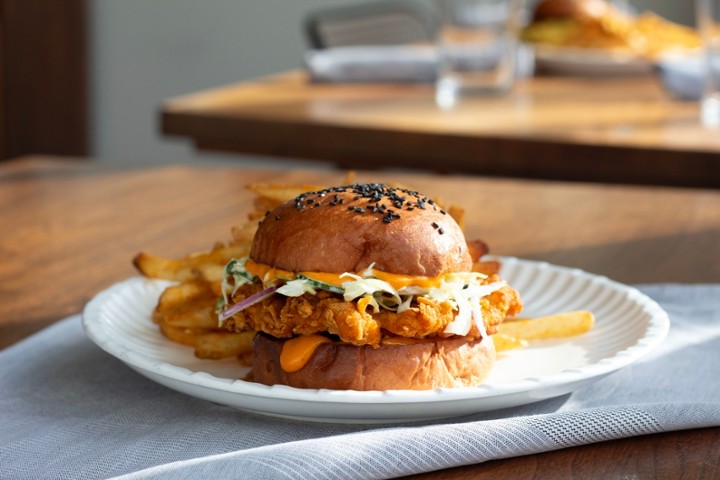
(427, 364)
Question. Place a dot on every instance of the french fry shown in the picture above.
(217, 345)
(458, 214)
(487, 267)
(181, 269)
(350, 177)
(280, 192)
(477, 249)
(183, 292)
(209, 274)
(243, 234)
(182, 335)
(552, 326)
(211, 345)
(177, 296)
(198, 315)
(505, 342)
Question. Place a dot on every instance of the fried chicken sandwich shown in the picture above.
(364, 287)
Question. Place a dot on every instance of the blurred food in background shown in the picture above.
(598, 25)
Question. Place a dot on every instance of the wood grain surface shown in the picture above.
(71, 229)
(620, 130)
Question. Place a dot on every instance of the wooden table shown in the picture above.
(625, 130)
(70, 230)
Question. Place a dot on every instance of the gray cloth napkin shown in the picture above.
(399, 63)
(69, 410)
(373, 64)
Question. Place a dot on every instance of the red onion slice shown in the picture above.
(251, 300)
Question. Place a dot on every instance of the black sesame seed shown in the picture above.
(441, 231)
(379, 199)
(443, 212)
(277, 217)
(435, 225)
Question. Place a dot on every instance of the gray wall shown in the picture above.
(144, 51)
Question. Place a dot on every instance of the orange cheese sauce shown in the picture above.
(329, 278)
(401, 281)
(396, 281)
(362, 304)
(297, 351)
(267, 273)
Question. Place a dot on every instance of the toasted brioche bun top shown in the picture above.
(582, 10)
(348, 228)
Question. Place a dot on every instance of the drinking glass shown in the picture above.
(478, 42)
(708, 21)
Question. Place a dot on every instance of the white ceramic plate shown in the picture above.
(589, 62)
(628, 326)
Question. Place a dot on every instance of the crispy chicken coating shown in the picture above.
(284, 317)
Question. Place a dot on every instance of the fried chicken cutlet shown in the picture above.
(356, 323)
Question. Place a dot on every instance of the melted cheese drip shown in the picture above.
(297, 351)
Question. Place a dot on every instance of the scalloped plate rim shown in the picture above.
(164, 372)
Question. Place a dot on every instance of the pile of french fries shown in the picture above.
(186, 311)
(647, 35)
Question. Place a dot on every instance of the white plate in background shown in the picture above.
(589, 62)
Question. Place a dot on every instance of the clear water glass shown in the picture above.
(478, 43)
(708, 22)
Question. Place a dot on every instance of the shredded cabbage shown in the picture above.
(296, 288)
(361, 286)
(467, 298)
(235, 269)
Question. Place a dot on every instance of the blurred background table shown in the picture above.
(619, 129)
(56, 253)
